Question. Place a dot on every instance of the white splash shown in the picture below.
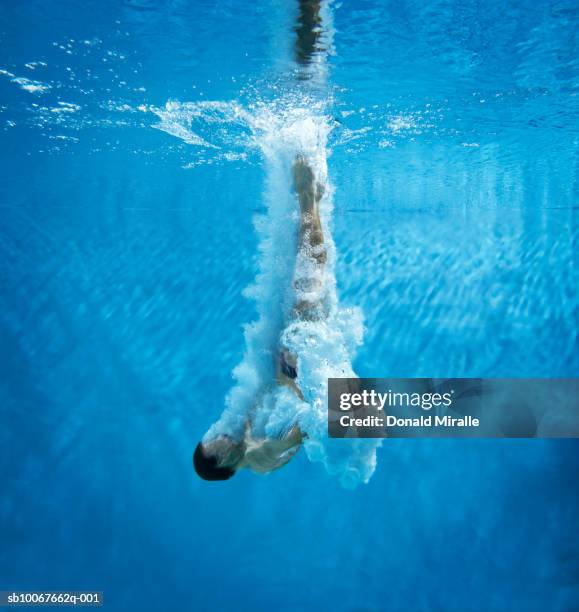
(324, 348)
(65, 107)
(177, 119)
(400, 123)
(35, 65)
(35, 87)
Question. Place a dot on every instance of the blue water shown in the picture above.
(130, 231)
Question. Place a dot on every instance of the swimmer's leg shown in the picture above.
(309, 193)
(312, 250)
(312, 253)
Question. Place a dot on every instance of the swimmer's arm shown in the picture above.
(264, 455)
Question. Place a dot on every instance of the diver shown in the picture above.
(221, 458)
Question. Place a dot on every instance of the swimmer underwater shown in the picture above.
(222, 457)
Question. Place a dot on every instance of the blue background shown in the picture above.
(124, 253)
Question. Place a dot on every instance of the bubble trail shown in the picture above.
(323, 345)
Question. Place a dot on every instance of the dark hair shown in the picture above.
(207, 468)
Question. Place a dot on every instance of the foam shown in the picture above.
(324, 348)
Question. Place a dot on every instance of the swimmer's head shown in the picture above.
(217, 459)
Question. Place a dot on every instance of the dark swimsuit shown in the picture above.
(286, 368)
